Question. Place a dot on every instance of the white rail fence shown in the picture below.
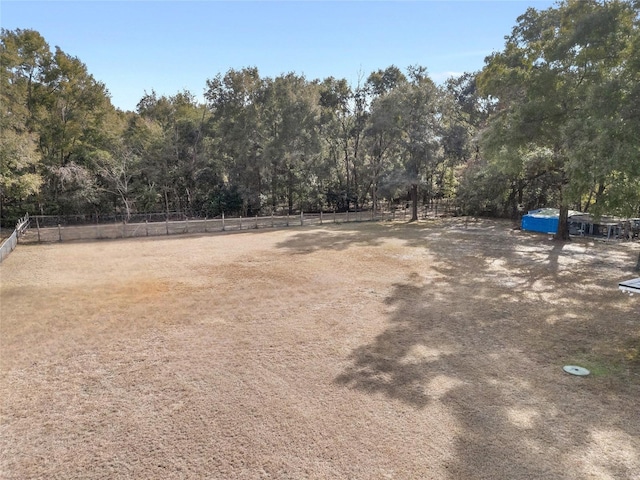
(10, 243)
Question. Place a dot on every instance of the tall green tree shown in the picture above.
(462, 114)
(382, 131)
(72, 108)
(290, 142)
(414, 108)
(235, 102)
(52, 101)
(172, 142)
(344, 119)
(557, 89)
(118, 164)
(24, 55)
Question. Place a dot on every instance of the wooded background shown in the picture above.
(551, 120)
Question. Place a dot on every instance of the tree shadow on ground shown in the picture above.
(381, 366)
(520, 415)
(342, 236)
(495, 360)
(333, 237)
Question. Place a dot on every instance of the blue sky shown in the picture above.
(168, 46)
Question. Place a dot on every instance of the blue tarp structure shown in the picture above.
(543, 220)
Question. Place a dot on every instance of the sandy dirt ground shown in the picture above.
(354, 351)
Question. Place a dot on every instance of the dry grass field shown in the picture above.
(353, 351)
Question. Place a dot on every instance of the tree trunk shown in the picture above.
(166, 201)
(127, 207)
(374, 197)
(290, 191)
(414, 202)
(638, 264)
(348, 174)
(563, 223)
(274, 174)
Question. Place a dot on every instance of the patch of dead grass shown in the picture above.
(428, 350)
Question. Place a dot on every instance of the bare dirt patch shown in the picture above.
(358, 351)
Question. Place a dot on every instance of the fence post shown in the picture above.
(59, 233)
(240, 222)
(272, 219)
(186, 224)
(146, 227)
(301, 218)
(320, 217)
(166, 224)
(38, 227)
(223, 221)
(256, 221)
(287, 219)
(334, 215)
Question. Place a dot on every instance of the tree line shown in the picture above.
(551, 120)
